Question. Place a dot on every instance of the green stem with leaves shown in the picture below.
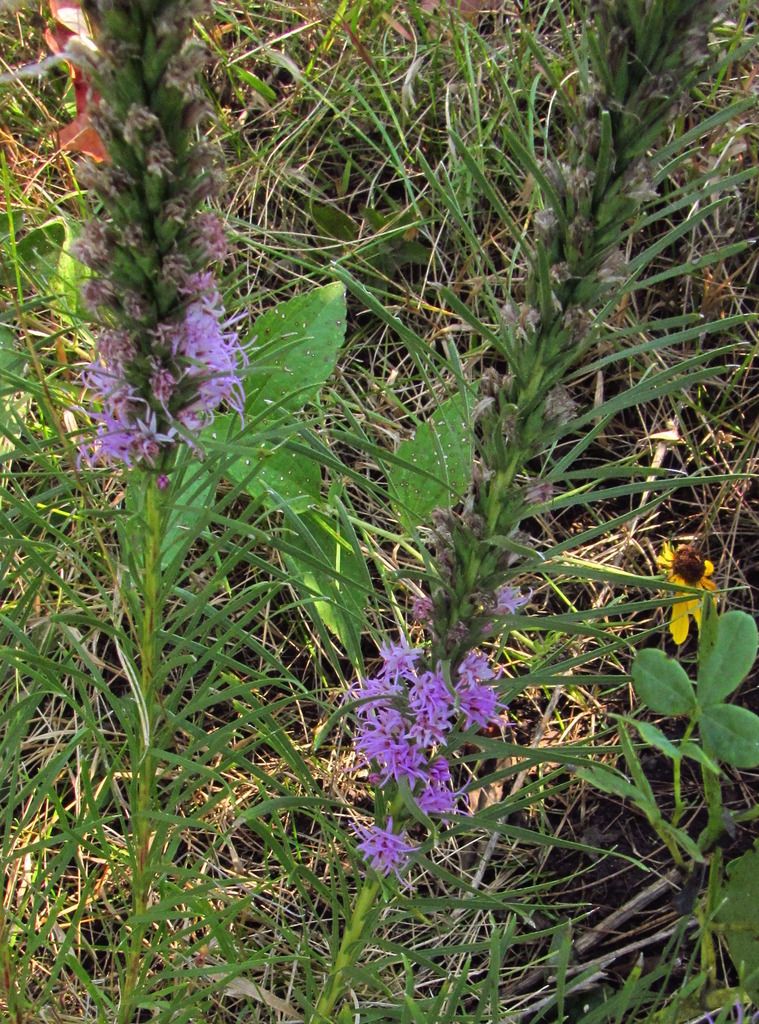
(641, 59)
(144, 770)
(351, 948)
(355, 931)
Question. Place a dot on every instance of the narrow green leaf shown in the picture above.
(662, 684)
(731, 734)
(724, 666)
(655, 738)
(254, 82)
(331, 576)
(636, 770)
(612, 782)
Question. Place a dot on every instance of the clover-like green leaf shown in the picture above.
(297, 344)
(433, 468)
(727, 662)
(731, 734)
(662, 684)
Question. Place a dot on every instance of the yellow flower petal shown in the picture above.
(664, 560)
(693, 607)
(678, 627)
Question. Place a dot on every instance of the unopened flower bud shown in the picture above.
(140, 122)
(539, 491)
(560, 406)
(546, 223)
(614, 269)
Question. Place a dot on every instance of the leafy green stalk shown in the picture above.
(354, 933)
(627, 92)
(142, 793)
(351, 948)
(633, 80)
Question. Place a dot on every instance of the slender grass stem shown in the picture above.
(715, 825)
(677, 770)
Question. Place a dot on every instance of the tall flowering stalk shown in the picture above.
(166, 355)
(642, 56)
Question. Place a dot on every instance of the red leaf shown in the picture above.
(79, 136)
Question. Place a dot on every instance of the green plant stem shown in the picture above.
(354, 939)
(713, 897)
(145, 770)
(715, 825)
(351, 947)
(677, 774)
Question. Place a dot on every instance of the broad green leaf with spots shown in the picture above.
(433, 468)
(294, 351)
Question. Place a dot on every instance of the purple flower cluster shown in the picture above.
(405, 714)
(167, 357)
(384, 849)
(163, 385)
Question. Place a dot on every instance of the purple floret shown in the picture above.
(210, 353)
(374, 693)
(422, 608)
(129, 440)
(508, 600)
(209, 232)
(382, 849)
(474, 668)
(432, 707)
(385, 738)
(399, 658)
(438, 795)
(479, 704)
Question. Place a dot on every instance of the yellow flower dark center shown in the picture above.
(688, 564)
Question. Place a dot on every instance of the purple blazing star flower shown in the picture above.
(508, 600)
(398, 658)
(385, 738)
(193, 369)
(432, 707)
(438, 795)
(382, 849)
